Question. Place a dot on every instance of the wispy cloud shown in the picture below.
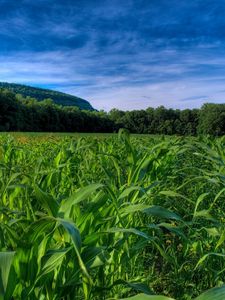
(194, 98)
(127, 55)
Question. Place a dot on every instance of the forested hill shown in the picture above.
(41, 94)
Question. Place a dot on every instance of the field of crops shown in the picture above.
(111, 217)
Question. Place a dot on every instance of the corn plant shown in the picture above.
(111, 217)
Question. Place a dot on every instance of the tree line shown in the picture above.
(19, 113)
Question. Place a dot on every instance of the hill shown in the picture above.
(41, 94)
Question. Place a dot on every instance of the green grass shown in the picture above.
(56, 134)
(86, 217)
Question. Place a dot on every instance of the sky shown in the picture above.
(125, 54)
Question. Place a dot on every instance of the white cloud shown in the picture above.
(146, 79)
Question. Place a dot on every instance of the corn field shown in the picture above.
(116, 217)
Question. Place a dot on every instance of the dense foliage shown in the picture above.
(109, 217)
(42, 94)
(27, 114)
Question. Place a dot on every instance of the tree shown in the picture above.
(212, 119)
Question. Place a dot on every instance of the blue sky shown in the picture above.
(128, 54)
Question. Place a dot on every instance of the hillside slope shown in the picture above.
(41, 94)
